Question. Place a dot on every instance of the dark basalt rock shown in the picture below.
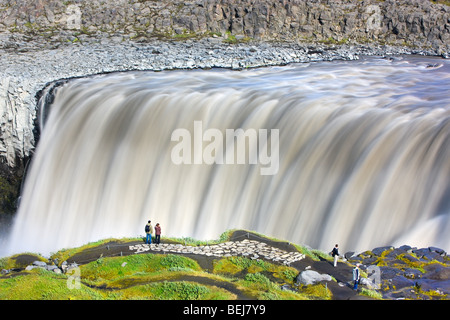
(408, 273)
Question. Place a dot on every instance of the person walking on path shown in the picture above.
(356, 276)
(149, 232)
(335, 254)
(157, 233)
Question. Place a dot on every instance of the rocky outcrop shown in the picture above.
(415, 22)
(405, 272)
(309, 277)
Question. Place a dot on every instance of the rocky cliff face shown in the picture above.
(391, 20)
(45, 40)
(414, 22)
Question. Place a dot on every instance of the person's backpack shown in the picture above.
(147, 228)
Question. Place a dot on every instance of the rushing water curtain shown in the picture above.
(361, 152)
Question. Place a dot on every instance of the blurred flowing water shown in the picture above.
(364, 149)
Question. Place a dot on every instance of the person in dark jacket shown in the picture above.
(149, 232)
(157, 233)
(335, 254)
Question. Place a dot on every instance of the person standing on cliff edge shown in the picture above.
(356, 276)
(157, 233)
(149, 232)
(335, 254)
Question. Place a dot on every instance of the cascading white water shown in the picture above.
(363, 151)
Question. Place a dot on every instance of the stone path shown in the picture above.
(249, 248)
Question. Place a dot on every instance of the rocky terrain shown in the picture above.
(300, 273)
(419, 23)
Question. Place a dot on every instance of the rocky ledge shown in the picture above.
(405, 272)
(393, 273)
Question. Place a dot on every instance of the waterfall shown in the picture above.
(362, 151)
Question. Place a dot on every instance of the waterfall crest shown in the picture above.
(363, 156)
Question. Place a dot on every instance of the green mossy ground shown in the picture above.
(106, 272)
(153, 276)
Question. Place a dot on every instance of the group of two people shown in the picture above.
(149, 233)
(356, 271)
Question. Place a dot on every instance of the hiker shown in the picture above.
(356, 276)
(149, 232)
(335, 254)
(157, 233)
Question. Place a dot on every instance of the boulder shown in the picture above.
(51, 267)
(308, 277)
(369, 261)
(410, 258)
(395, 253)
(437, 250)
(41, 264)
(400, 282)
(412, 273)
(421, 252)
(389, 272)
(436, 271)
(379, 250)
(406, 248)
(442, 287)
(430, 256)
(349, 255)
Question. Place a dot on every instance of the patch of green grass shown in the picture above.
(446, 2)
(123, 271)
(317, 291)
(331, 40)
(40, 284)
(180, 290)
(175, 290)
(371, 293)
(18, 260)
(259, 286)
(237, 264)
(232, 39)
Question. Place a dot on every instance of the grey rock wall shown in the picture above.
(414, 22)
